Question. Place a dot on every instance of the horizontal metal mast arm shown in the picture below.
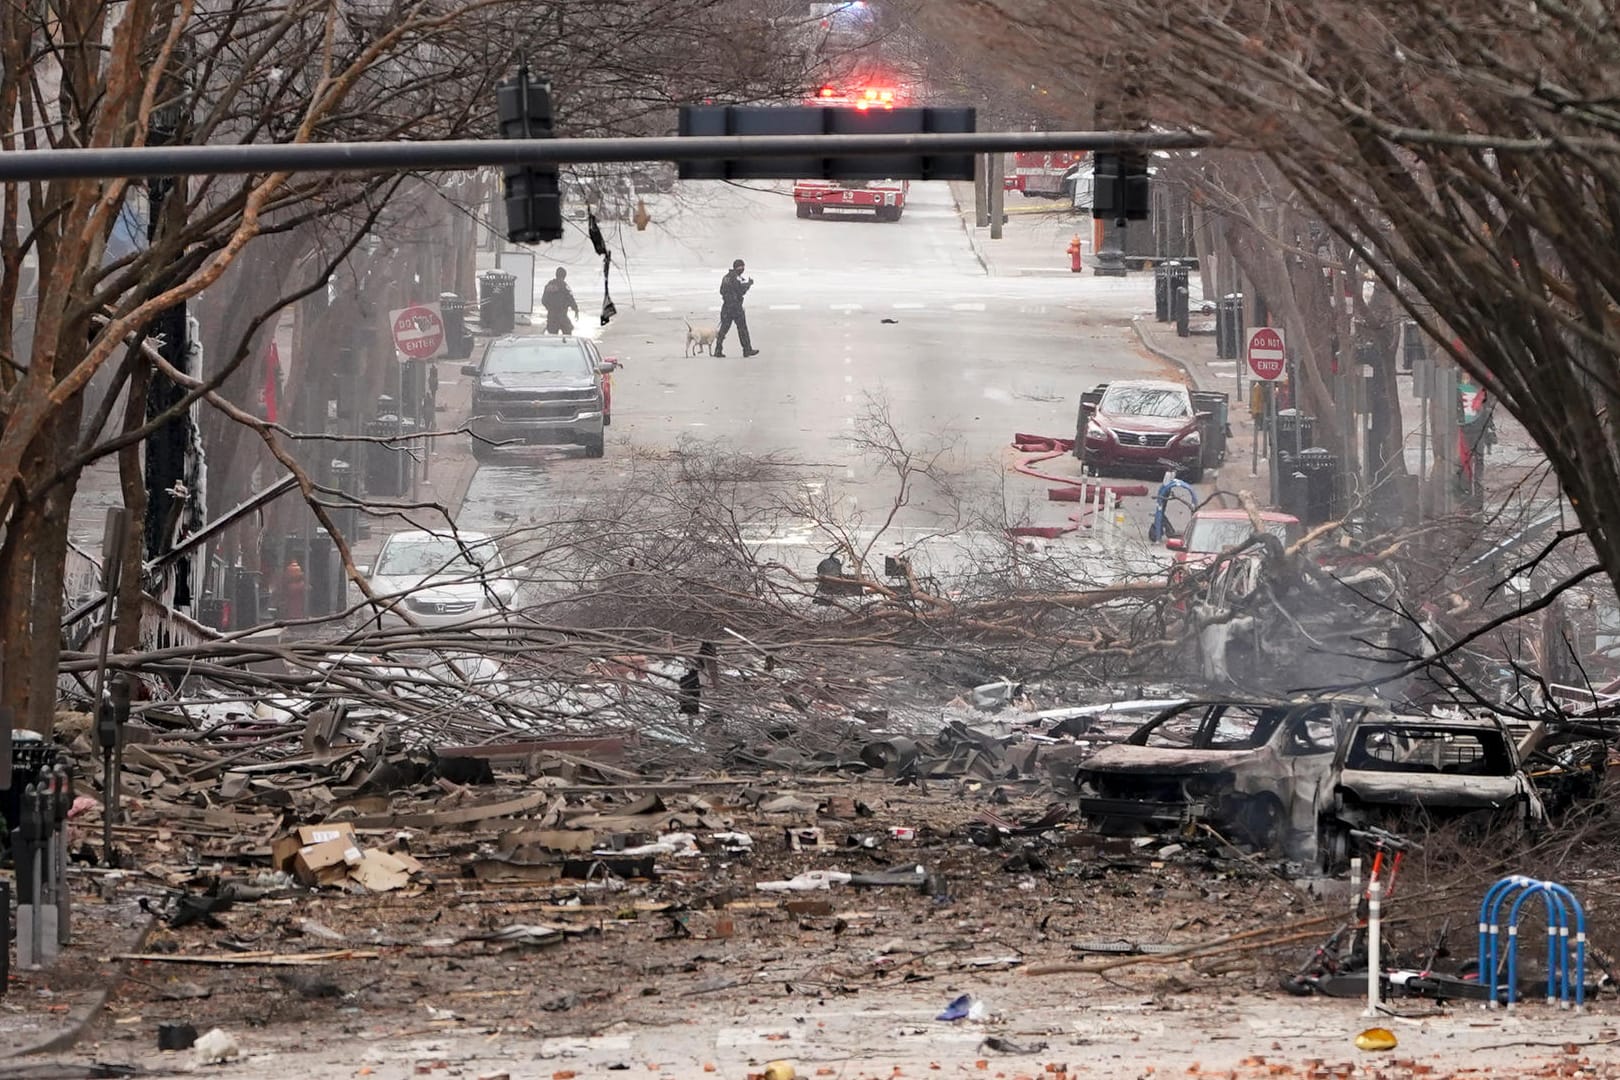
(212, 160)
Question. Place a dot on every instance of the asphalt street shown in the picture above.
(854, 319)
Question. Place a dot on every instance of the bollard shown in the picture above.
(1355, 888)
(1181, 302)
(1375, 890)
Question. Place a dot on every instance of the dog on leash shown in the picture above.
(699, 339)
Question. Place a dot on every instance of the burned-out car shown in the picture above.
(1406, 773)
(1253, 771)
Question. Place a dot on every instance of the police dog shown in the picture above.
(699, 339)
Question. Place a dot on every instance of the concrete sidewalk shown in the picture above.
(1508, 464)
(1034, 241)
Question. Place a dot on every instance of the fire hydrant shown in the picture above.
(1074, 253)
(295, 592)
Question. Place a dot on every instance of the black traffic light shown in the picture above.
(1120, 185)
(533, 196)
(823, 120)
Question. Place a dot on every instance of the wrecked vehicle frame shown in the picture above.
(1401, 772)
(1251, 769)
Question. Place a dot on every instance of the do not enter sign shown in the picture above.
(1265, 353)
(419, 331)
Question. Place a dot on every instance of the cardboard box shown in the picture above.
(381, 871)
(286, 848)
(328, 862)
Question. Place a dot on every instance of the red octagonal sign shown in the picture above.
(419, 331)
(1265, 353)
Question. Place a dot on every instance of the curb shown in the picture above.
(1142, 335)
(1167, 357)
(78, 1026)
(973, 241)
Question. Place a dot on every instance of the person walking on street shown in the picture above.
(733, 287)
(558, 300)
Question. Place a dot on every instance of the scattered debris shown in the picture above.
(215, 1047)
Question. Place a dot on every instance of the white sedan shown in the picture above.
(440, 579)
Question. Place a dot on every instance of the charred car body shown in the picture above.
(1251, 770)
(1302, 777)
(1406, 772)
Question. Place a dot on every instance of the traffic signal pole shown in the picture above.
(93, 163)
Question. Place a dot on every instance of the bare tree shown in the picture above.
(1466, 151)
(90, 271)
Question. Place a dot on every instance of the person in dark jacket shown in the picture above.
(733, 287)
(558, 299)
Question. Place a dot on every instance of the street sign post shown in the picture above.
(1265, 353)
(419, 332)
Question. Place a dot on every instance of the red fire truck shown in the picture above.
(885, 198)
(1039, 173)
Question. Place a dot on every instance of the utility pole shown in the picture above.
(169, 448)
(981, 190)
(997, 184)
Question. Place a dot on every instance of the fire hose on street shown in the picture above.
(1099, 499)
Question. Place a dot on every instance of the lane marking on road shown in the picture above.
(846, 307)
(971, 306)
(661, 310)
(849, 399)
(849, 378)
(783, 307)
(909, 307)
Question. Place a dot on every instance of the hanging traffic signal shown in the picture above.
(533, 195)
(1120, 185)
(874, 115)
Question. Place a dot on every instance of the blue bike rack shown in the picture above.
(1564, 914)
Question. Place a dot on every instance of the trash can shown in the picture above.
(1295, 430)
(1161, 291)
(1180, 301)
(497, 299)
(1291, 485)
(344, 514)
(324, 574)
(1229, 326)
(244, 588)
(1321, 469)
(387, 465)
(457, 338)
(1214, 429)
(1413, 351)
